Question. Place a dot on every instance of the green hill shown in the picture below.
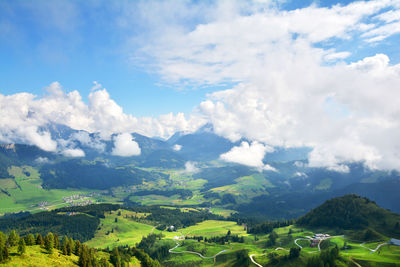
(352, 212)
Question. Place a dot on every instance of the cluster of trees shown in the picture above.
(88, 257)
(96, 210)
(156, 251)
(267, 227)
(79, 174)
(325, 258)
(81, 226)
(275, 258)
(120, 256)
(184, 193)
(164, 218)
(219, 239)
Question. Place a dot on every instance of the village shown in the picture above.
(73, 200)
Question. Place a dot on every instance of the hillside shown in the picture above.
(352, 212)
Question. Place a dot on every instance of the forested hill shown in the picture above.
(352, 212)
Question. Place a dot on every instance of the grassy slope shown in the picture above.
(126, 230)
(36, 256)
(249, 186)
(214, 228)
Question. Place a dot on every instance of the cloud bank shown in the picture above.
(24, 117)
(291, 86)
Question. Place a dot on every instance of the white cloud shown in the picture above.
(282, 83)
(85, 139)
(337, 56)
(75, 153)
(23, 114)
(125, 146)
(42, 160)
(249, 154)
(177, 147)
(300, 174)
(191, 167)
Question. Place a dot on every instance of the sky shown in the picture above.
(322, 74)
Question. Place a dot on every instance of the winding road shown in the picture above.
(193, 252)
(373, 250)
(253, 261)
(295, 241)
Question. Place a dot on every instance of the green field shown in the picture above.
(26, 192)
(125, 231)
(250, 186)
(214, 228)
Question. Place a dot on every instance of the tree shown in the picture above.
(115, 258)
(56, 241)
(64, 245)
(272, 238)
(49, 243)
(5, 253)
(229, 232)
(77, 247)
(13, 238)
(70, 246)
(294, 253)
(39, 240)
(242, 258)
(21, 246)
(84, 257)
(30, 240)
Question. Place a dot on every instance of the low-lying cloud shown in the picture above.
(250, 155)
(125, 146)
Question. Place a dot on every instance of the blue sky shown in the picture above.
(321, 74)
(76, 43)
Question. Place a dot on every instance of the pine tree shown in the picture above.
(115, 258)
(70, 246)
(1, 251)
(64, 245)
(77, 247)
(13, 238)
(21, 246)
(84, 257)
(49, 243)
(30, 240)
(39, 240)
(56, 241)
(5, 253)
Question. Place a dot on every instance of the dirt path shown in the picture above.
(353, 261)
(253, 261)
(373, 250)
(193, 252)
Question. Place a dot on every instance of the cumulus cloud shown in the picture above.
(125, 146)
(42, 160)
(177, 147)
(286, 76)
(191, 167)
(75, 153)
(249, 154)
